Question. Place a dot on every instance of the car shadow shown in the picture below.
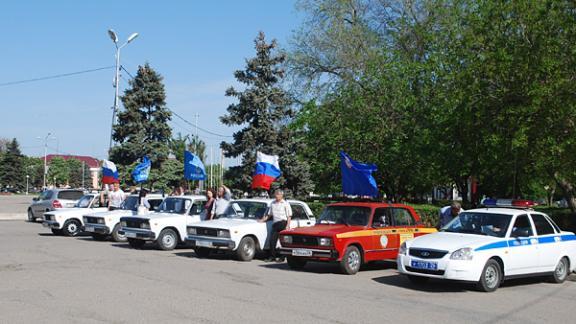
(147, 246)
(333, 268)
(82, 235)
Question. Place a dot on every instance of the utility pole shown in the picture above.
(83, 171)
(45, 157)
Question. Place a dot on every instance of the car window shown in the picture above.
(298, 211)
(349, 215)
(522, 227)
(197, 208)
(246, 209)
(175, 205)
(46, 195)
(70, 195)
(84, 202)
(381, 217)
(480, 224)
(402, 217)
(542, 225)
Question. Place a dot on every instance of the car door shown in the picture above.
(299, 216)
(193, 215)
(523, 252)
(44, 203)
(385, 238)
(404, 224)
(548, 242)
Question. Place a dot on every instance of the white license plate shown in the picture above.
(302, 252)
(131, 235)
(203, 243)
(89, 228)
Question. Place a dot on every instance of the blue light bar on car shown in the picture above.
(516, 203)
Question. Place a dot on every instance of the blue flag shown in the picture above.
(193, 167)
(142, 171)
(357, 177)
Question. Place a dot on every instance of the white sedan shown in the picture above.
(488, 245)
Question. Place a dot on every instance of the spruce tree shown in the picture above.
(11, 167)
(264, 109)
(142, 127)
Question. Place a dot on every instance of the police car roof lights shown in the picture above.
(508, 203)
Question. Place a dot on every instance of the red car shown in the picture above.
(353, 233)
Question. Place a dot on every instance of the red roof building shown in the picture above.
(90, 161)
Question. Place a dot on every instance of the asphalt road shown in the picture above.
(47, 278)
(14, 206)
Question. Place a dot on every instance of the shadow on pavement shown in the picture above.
(334, 268)
(77, 236)
(433, 286)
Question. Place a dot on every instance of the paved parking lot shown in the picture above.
(58, 279)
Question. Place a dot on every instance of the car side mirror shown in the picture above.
(520, 232)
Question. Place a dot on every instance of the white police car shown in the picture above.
(488, 245)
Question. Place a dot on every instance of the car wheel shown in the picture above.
(116, 237)
(99, 237)
(202, 252)
(72, 227)
(491, 277)
(246, 249)
(351, 261)
(418, 280)
(561, 272)
(31, 217)
(56, 231)
(167, 240)
(296, 263)
(136, 243)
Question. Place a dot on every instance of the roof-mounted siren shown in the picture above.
(509, 203)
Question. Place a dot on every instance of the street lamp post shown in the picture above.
(114, 38)
(27, 181)
(45, 157)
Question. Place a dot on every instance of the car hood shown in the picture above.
(226, 223)
(451, 241)
(118, 212)
(327, 230)
(159, 215)
(61, 211)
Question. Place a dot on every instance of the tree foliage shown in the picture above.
(11, 166)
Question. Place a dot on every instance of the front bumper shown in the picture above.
(310, 254)
(460, 270)
(211, 242)
(139, 234)
(97, 228)
(51, 224)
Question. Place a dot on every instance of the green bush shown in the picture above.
(316, 207)
(563, 217)
(428, 214)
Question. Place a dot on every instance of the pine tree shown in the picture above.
(264, 109)
(142, 127)
(11, 167)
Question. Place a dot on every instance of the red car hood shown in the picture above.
(324, 230)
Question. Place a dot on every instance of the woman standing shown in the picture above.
(209, 206)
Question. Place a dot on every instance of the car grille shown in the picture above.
(134, 222)
(203, 231)
(92, 220)
(48, 217)
(425, 271)
(304, 240)
(427, 254)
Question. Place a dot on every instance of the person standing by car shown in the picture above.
(209, 205)
(222, 201)
(116, 197)
(281, 213)
(447, 213)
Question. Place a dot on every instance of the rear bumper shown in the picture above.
(138, 234)
(459, 270)
(97, 228)
(315, 254)
(211, 242)
(51, 224)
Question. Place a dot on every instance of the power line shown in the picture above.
(56, 76)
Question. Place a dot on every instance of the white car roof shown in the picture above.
(503, 211)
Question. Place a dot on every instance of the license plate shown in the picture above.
(302, 252)
(130, 234)
(204, 243)
(425, 265)
(89, 228)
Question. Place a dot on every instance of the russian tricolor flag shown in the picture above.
(109, 172)
(267, 170)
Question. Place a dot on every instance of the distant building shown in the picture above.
(91, 164)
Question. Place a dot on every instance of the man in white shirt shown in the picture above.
(116, 197)
(221, 202)
(281, 213)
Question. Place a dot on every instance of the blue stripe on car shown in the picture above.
(524, 242)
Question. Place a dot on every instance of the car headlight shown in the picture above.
(324, 241)
(100, 220)
(462, 254)
(287, 239)
(403, 249)
(223, 233)
(123, 224)
(192, 231)
(145, 225)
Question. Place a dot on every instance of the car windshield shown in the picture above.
(479, 224)
(246, 209)
(131, 203)
(45, 195)
(84, 202)
(175, 205)
(348, 215)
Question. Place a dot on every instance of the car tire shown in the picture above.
(418, 280)
(31, 217)
(56, 231)
(99, 237)
(72, 227)
(202, 252)
(136, 243)
(561, 272)
(296, 263)
(246, 249)
(116, 237)
(351, 261)
(167, 240)
(491, 277)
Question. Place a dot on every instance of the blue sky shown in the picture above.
(195, 45)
